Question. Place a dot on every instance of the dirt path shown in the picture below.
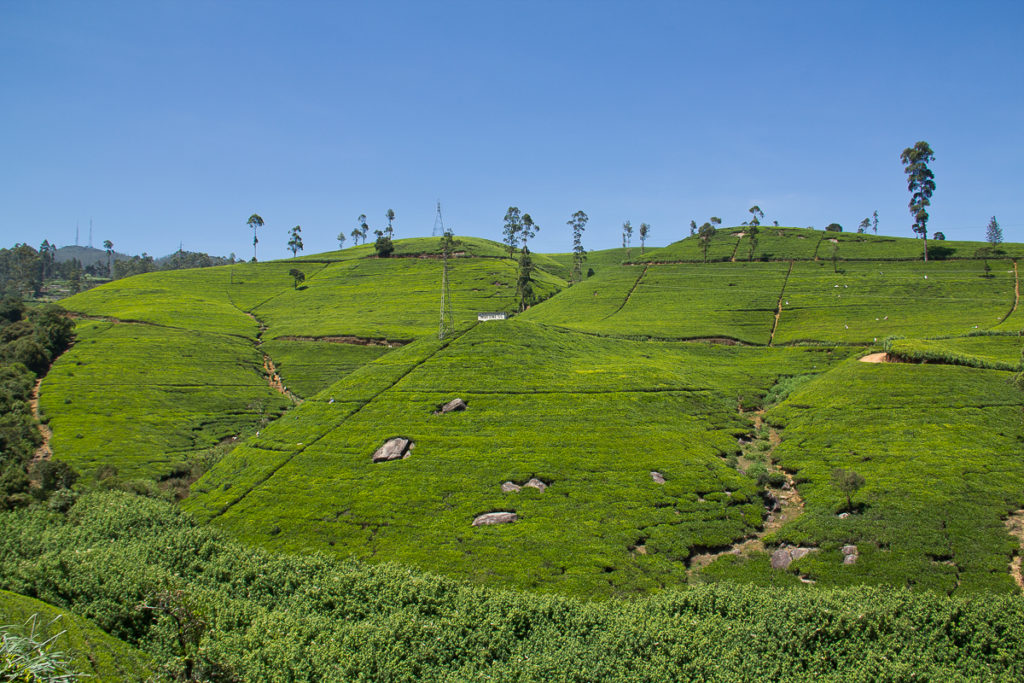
(1016, 294)
(791, 505)
(274, 379)
(1015, 525)
(778, 309)
(44, 452)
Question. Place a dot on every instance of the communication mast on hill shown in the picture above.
(90, 233)
(438, 222)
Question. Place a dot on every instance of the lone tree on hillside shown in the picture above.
(645, 230)
(756, 215)
(833, 227)
(529, 229)
(752, 232)
(578, 223)
(693, 228)
(513, 227)
(993, 233)
(627, 237)
(941, 237)
(254, 222)
(524, 283)
(390, 231)
(848, 483)
(383, 246)
(864, 225)
(295, 240)
(921, 184)
(715, 222)
(341, 240)
(874, 222)
(705, 234)
(108, 246)
(298, 276)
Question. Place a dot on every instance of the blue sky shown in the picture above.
(172, 122)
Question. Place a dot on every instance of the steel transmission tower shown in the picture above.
(438, 223)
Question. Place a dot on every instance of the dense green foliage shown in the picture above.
(252, 615)
(29, 340)
(308, 366)
(991, 351)
(64, 642)
(776, 244)
(942, 473)
(143, 399)
(866, 302)
(635, 408)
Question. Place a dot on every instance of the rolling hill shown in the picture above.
(667, 431)
(637, 398)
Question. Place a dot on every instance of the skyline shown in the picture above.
(171, 123)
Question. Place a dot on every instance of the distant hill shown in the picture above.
(88, 256)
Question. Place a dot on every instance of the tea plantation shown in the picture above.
(663, 437)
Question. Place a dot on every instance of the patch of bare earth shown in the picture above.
(1015, 525)
(274, 379)
(882, 357)
(44, 452)
(790, 506)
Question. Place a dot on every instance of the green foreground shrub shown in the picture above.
(146, 572)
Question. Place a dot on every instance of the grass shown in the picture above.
(396, 299)
(87, 649)
(274, 616)
(685, 301)
(995, 352)
(143, 398)
(307, 367)
(635, 407)
(866, 302)
(806, 244)
(937, 447)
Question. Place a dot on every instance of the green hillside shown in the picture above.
(634, 408)
(663, 437)
(632, 398)
(779, 244)
(85, 648)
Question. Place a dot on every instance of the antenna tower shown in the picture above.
(438, 222)
(76, 233)
(447, 322)
(90, 233)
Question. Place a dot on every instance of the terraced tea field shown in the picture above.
(940, 450)
(629, 402)
(601, 526)
(142, 398)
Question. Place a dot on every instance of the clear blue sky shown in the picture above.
(170, 122)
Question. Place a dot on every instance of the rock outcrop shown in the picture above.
(450, 406)
(393, 449)
(495, 518)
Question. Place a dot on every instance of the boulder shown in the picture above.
(537, 484)
(452, 405)
(509, 487)
(657, 477)
(393, 449)
(850, 554)
(495, 518)
(786, 555)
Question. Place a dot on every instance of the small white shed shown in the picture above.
(484, 317)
